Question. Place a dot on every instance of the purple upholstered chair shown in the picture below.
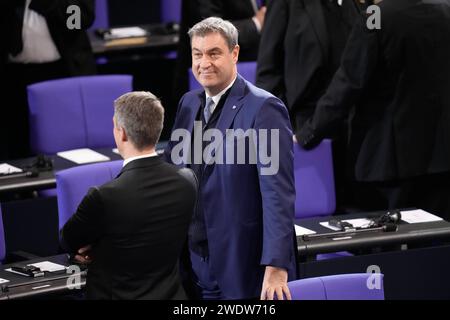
(338, 287)
(245, 69)
(314, 181)
(74, 112)
(101, 15)
(314, 186)
(2, 238)
(171, 11)
(72, 185)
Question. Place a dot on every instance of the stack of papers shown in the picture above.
(418, 216)
(300, 231)
(8, 169)
(48, 266)
(356, 223)
(81, 156)
(126, 32)
(44, 266)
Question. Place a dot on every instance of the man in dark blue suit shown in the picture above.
(241, 236)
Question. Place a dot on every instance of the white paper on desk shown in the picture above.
(300, 231)
(85, 155)
(418, 216)
(48, 266)
(7, 169)
(16, 272)
(3, 281)
(127, 32)
(356, 223)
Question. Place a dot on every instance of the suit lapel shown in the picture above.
(196, 106)
(315, 12)
(233, 104)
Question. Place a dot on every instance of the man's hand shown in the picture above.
(275, 283)
(83, 255)
(260, 15)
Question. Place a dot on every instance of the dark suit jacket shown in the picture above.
(399, 79)
(137, 224)
(239, 12)
(249, 215)
(293, 59)
(73, 45)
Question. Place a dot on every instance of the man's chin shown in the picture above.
(208, 84)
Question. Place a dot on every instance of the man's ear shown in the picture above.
(235, 53)
(123, 134)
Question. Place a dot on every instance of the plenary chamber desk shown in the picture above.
(415, 259)
(62, 284)
(45, 174)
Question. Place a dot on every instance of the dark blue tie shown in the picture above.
(207, 112)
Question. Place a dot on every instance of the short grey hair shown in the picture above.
(141, 115)
(214, 24)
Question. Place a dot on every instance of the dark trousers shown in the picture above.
(205, 281)
(429, 192)
(14, 110)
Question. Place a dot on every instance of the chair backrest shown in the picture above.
(355, 286)
(72, 185)
(246, 69)
(101, 15)
(2, 238)
(74, 112)
(314, 181)
(171, 11)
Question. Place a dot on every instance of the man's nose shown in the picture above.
(205, 62)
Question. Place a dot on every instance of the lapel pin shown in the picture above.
(234, 107)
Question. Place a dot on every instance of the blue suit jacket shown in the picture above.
(249, 216)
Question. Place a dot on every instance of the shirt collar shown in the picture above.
(127, 161)
(217, 97)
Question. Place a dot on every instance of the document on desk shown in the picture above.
(418, 216)
(8, 169)
(356, 223)
(126, 32)
(48, 266)
(300, 231)
(81, 156)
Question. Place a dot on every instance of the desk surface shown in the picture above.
(160, 38)
(20, 287)
(45, 179)
(406, 234)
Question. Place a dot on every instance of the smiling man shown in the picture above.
(241, 235)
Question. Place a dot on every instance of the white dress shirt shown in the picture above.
(38, 45)
(127, 161)
(217, 97)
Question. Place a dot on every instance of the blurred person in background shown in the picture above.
(38, 46)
